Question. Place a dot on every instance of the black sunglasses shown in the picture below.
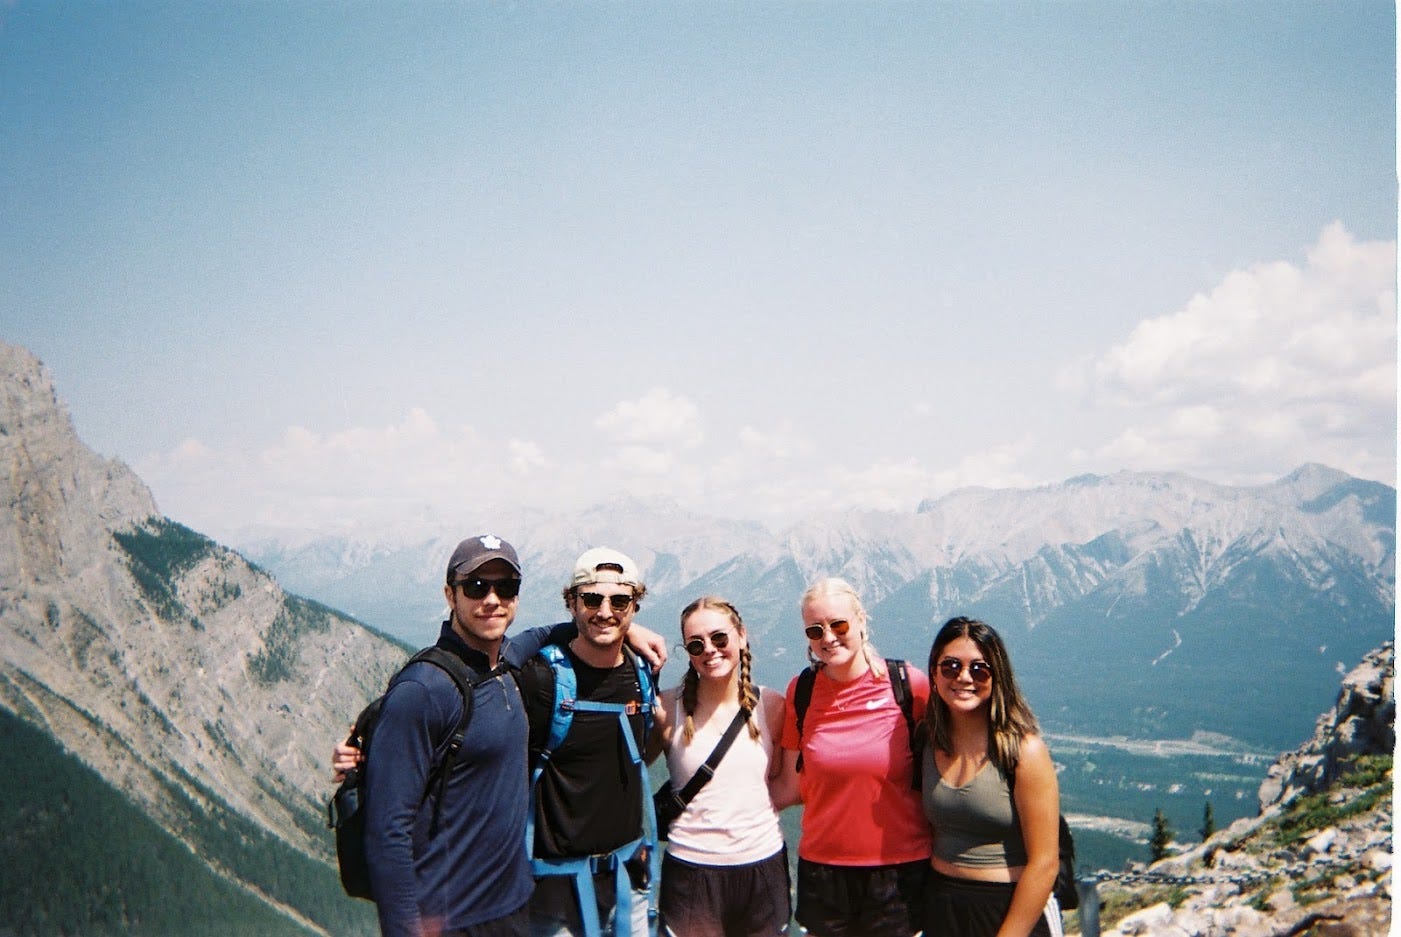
(979, 670)
(838, 628)
(477, 588)
(594, 600)
(718, 640)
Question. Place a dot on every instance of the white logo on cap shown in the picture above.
(491, 543)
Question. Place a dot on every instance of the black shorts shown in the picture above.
(747, 900)
(960, 907)
(861, 900)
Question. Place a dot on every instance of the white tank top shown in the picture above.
(731, 821)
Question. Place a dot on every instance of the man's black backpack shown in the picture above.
(345, 812)
(899, 687)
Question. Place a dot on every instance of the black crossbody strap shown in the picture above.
(706, 771)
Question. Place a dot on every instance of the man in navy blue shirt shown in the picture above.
(469, 877)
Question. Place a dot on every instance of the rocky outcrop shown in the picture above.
(1317, 860)
(1363, 721)
(184, 676)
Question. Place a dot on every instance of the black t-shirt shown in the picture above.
(589, 798)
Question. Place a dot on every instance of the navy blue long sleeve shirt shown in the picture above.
(474, 869)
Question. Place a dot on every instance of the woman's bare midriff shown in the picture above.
(1004, 874)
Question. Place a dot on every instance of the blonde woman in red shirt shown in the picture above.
(864, 849)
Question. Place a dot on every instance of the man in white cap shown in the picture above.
(589, 780)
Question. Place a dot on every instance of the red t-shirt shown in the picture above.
(859, 807)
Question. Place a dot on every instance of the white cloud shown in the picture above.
(659, 417)
(526, 456)
(1277, 365)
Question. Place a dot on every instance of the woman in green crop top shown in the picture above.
(996, 844)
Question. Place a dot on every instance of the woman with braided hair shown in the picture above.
(725, 872)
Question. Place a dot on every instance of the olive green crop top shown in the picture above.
(975, 825)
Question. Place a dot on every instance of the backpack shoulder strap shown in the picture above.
(582, 869)
(899, 674)
(647, 687)
(802, 698)
(466, 680)
(900, 687)
(566, 695)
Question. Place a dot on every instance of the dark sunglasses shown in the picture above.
(696, 646)
(979, 670)
(838, 628)
(594, 600)
(477, 588)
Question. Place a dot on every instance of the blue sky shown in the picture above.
(320, 264)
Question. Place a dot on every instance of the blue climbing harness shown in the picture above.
(583, 868)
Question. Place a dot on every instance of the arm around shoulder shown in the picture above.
(659, 742)
(783, 773)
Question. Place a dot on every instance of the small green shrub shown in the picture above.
(1314, 812)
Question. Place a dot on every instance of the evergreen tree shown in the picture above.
(1208, 822)
(1162, 836)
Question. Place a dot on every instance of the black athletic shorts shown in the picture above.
(749, 900)
(959, 907)
(861, 900)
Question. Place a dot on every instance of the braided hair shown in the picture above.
(690, 685)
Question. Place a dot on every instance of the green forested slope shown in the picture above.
(80, 859)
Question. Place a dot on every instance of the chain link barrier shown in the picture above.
(1290, 870)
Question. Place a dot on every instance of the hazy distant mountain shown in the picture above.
(141, 655)
(1138, 603)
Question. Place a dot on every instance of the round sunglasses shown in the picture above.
(979, 670)
(838, 628)
(718, 640)
(477, 588)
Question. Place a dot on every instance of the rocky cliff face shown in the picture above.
(183, 675)
(1363, 722)
(1317, 860)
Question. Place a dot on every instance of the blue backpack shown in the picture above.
(583, 868)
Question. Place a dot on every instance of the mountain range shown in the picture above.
(1148, 605)
(167, 706)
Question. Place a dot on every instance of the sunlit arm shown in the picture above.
(783, 780)
(659, 739)
(1038, 804)
(649, 644)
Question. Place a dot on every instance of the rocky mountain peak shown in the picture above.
(182, 675)
(58, 499)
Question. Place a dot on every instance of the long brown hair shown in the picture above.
(1010, 719)
(748, 696)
